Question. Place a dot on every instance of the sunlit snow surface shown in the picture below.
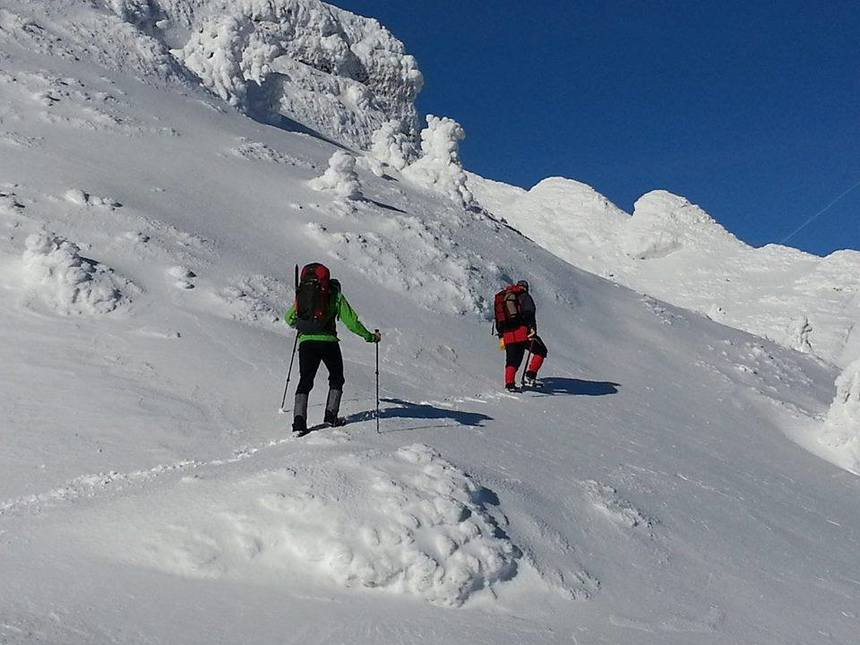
(677, 481)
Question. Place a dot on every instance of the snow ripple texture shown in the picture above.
(69, 282)
(409, 523)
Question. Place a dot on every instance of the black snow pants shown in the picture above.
(515, 352)
(311, 354)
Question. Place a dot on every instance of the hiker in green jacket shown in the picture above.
(319, 304)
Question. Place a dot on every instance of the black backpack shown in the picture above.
(315, 297)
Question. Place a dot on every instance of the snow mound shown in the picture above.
(407, 522)
(340, 176)
(71, 283)
(663, 223)
(842, 428)
(440, 167)
(327, 69)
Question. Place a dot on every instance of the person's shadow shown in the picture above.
(408, 410)
(578, 387)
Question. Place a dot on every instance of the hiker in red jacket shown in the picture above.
(516, 325)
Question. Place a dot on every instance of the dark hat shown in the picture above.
(524, 284)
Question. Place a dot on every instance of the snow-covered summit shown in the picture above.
(673, 250)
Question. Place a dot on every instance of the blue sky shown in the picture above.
(750, 109)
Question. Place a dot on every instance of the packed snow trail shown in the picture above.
(667, 486)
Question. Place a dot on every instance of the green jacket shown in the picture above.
(344, 313)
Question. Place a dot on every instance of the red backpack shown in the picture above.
(507, 308)
(314, 311)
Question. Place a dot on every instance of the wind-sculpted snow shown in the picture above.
(439, 166)
(407, 522)
(327, 69)
(340, 177)
(392, 146)
(663, 223)
(68, 282)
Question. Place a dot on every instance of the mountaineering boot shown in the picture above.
(530, 379)
(300, 414)
(511, 387)
(332, 405)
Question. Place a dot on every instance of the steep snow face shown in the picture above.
(675, 251)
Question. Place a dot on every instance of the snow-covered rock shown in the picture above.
(331, 71)
(340, 176)
(392, 146)
(439, 166)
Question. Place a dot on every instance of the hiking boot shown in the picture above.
(300, 425)
(333, 420)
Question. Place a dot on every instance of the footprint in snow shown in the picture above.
(606, 499)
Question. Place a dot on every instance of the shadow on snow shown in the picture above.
(408, 410)
(579, 387)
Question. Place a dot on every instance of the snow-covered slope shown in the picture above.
(673, 250)
(666, 487)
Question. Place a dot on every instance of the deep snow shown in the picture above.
(673, 483)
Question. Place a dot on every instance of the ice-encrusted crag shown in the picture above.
(330, 71)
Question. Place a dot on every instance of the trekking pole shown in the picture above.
(289, 374)
(376, 331)
(292, 357)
